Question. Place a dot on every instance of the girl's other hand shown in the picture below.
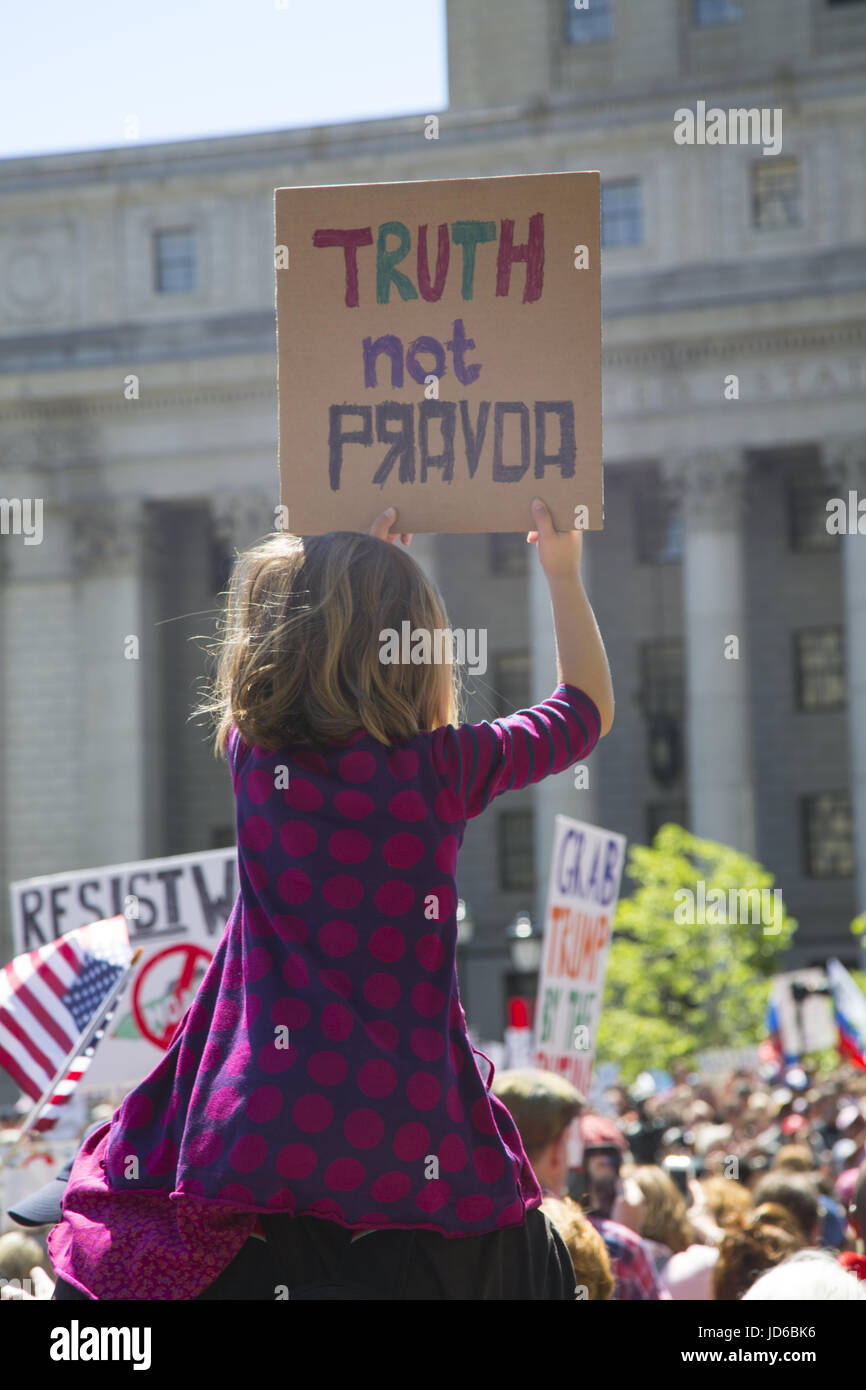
(381, 527)
(559, 551)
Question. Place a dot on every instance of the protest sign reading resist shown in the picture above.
(439, 350)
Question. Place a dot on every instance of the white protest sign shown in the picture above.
(176, 910)
(585, 873)
(805, 1010)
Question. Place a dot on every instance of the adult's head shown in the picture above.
(794, 1158)
(727, 1199)
(18, 1255)
(542, 1106)
(744, 1254)
(798, 1194)
(666, 1220)
(809, 1275)
(588, 1251)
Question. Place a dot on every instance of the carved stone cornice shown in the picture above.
(710, 485)
(240, 518)
(110, 534)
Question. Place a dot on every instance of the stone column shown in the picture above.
(845, 462)
(554, 795)
(116, 555)
(711, 486)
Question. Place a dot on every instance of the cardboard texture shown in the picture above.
(439, 348)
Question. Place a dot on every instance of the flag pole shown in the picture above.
(86, 1037)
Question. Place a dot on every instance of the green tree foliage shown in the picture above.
(675, 988)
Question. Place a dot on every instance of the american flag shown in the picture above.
(47, 999)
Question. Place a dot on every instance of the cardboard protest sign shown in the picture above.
(585, 875)
(176, 910)
(439, 348)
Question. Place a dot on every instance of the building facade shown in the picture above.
(138, 402)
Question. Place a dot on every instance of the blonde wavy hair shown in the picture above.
(297, 656)
(666, 1219)
(588, 1251)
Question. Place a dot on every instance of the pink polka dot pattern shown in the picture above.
(390, 1187)
(382, 1034)
(338, 938)
(298, 838)
(257, 875)
(377, 1078)
(354, 805)
(403, 764)
(256, 833)
(408, 806)
(327, 1068)
(452, 1154)
(402, 851)
(302, 795)
(260, 785)
(313, 1113)
(357, 767)
(349, 846)
(422, 1090)
(433, 1195)
(325, 1062)
(382, 991)
(344, 1175)
(264, 1104)
(387, 944)
(343, 891)
(411, 1141)
(364, 1129)
(294, 886)
(488, 1163)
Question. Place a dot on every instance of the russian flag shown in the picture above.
(771, 1050)
(849, 1005)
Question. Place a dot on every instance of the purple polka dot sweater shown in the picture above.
(324, 1067)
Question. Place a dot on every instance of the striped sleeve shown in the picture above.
(480, 761)
(235, 750)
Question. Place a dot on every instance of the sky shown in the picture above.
(94, 75)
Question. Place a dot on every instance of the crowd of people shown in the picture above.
(707, 1189)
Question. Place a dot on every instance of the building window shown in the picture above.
(807, 510)
(819, 669)
(658, 523)
(509, 553)
(516, 850)
(621, 213)
(776, 194)
(512, 682)
(828, 835)
(663, 687)
(175, 262)
(659, 813)
(708, 12)
(588, 22)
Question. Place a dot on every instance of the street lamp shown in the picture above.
(465, 923)
(524, 942)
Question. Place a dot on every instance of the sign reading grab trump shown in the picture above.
(585, 876)
(439, 349)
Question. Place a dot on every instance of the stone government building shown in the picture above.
(156, 262)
